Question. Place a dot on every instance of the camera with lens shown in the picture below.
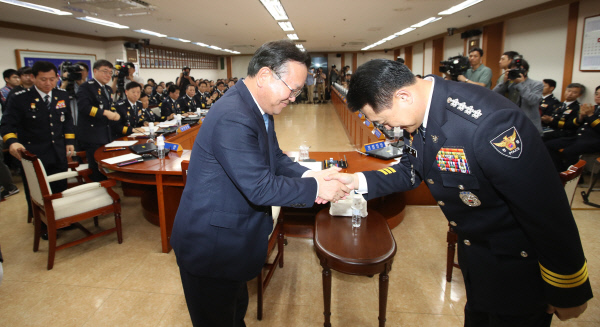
(518, 66)
(185, 71)
(121, 69)
(454, 66)
(70, 72)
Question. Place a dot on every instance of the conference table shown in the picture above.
(160, 184)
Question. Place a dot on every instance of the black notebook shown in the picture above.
(142, 148)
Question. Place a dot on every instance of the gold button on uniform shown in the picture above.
(524, 254)
(467, 242)
(460, 187)
(441, 203)
(452, 223)
(430, 181)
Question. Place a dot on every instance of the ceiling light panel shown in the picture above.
(293, 36)
(37, 7)
(426, 21)
(275, 8)
(286, 26)
(459, 7)
(102, 22)
(149, 32)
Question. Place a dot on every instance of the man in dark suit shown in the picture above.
(220, 237)
(483, 160)
(549, 102)
(187, 103)
(169, 107)
(96, 114)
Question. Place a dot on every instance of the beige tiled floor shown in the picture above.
(102, 283)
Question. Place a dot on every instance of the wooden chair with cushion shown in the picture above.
(569, 178)
(69, 207)
(78, 165)
(184, 168)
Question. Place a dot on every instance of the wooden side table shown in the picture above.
(367, 250)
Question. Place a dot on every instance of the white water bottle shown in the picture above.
(151, 130)
(160, 144)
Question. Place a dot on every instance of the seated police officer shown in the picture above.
(130, 110)
(549, 102)
(158, 97)
(203, 96)
(187, 103)
(96, 114)
(147, 115)
(563, 121)
(149, 91)
(169, 107)
(565, 151)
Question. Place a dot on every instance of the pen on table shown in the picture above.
(114, 149)
(121, 164)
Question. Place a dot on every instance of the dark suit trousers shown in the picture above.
(90, 149)
(539, 318)
(214, 302)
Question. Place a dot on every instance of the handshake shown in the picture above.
(333, 185)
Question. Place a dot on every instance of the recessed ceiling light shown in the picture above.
(102, 22)
(459, 7)
(404, 31)
(275, 9)
(299, 46)
(214, 47)
(150, 33)
(286, 26)
(293, 36)
(37, 7)
(200, 44)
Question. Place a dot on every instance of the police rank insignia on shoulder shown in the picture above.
(462, 106)
(508, 143)
(452, 160)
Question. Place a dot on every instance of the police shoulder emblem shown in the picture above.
(508, 143)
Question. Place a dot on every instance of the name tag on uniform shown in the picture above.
(410, 150)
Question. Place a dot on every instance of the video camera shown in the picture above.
(122, 69)
(519, 66)
(454, 66)
(73, 71)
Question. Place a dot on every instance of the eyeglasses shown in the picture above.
(105, 71)
(293, 93)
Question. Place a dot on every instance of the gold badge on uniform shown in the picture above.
(37, 100)
(470, 199)
(99, 92)
(434, 138)
(33, 106)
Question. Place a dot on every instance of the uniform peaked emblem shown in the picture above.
(508, 143)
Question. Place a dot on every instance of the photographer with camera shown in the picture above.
(123, 76)
(72, 77)
(505, 60)
(334, 74)
(184, 79)
(96, 114)
(478, 74)
(527, 92)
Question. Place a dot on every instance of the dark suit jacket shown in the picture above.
(237, 172)
(485, 164)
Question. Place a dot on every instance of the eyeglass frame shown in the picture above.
(297, 92)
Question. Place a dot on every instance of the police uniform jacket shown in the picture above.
(149, 116)
(485, 164)
(186, 104)
(200, 99)
(92, 126)
(564, 121)
(130, 118)
(168, 107)
(549, 104)
(43, 131)
(156, 99)
(589, 127)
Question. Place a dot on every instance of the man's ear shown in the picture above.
(404, 95)
(263, 76)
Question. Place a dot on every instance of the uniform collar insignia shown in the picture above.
(434, 138)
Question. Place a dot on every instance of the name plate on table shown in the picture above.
(378, 133)
(368, 123)
(183, 128)
(361, 115)
(374, 146)
(173, 147)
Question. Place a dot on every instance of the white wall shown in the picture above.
(541, 39)
(239, 66)
(332, 59)
(428, 58)
(366, 56)
(453, 46)
(12, 39)
(348, 60)
(417, 64)
(591, 80)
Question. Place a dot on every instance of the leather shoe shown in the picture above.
(44, 236)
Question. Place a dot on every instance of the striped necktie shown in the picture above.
(266, 119)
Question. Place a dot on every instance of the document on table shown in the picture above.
(119, 144)
(123, 158)
(168, 123)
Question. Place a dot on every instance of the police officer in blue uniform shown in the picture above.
(169, 107)
(549, 102)
(565, 151)
(146, 114)
(39, 120)
(563, 120)
(202, 97)
(96, 114)
(484, 162)
(187, 103)
(130, 110)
